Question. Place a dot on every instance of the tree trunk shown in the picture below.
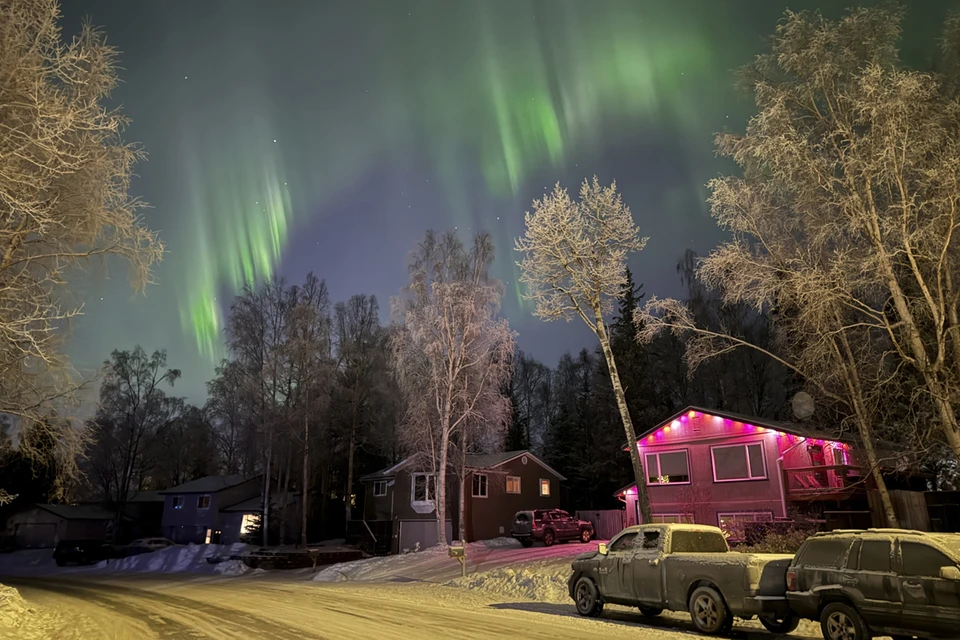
(304, 482)
(440, 483)
(463, 491)
(284, 492)
(348, 498)
(643, 499)
(265, 522)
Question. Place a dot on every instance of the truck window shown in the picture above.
(875, 556)
(623, 542)
(824, 553)
(651, 540)
(697, 542)
(922, 560)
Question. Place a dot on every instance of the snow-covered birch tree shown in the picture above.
(64, 179)
(450, 350)
(575, 265)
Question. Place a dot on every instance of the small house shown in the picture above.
(400, 510)
(41, 526)
(724, 469)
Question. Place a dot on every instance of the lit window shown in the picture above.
(178, 502)
(670, 467)
(739, 462)
(380, 488)
(479, 485)
(424, 487)
(544, 487)
(249, 523)
(513, 484)
(203, 502)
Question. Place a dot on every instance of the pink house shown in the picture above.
(719, 468)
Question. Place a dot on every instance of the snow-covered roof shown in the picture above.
(474, 461)
(208, 484)
(78, 512)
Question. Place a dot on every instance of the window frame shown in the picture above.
(178, 502)
(200, 498)
(430, 499)
(646, 467)
(746, 451)
(480, 481)
(376, 485)
(519, 485)
(681, 518)
(549, 488)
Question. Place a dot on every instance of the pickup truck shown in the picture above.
(684, 567)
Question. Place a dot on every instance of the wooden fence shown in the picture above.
(910, 507)
(606, 523)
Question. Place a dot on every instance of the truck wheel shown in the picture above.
(548, 538)
(585, 536)
(710, 614)
(587, 598)
(650, 612)
(773, 624)
(526, 542)
(840, 621)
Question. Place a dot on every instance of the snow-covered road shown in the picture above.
(259, 607)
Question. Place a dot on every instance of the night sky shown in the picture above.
(302, 136)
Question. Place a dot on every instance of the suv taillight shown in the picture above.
(535, 524)
(792, 580)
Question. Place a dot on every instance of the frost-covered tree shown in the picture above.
(451, 353)
(64, 179)
(575, 265)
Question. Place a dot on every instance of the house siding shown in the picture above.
(492, 517)
(704, 498)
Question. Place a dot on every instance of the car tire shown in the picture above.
(709, 612)
(650, 612)
(587, 598)
(526, 542)
(840, 621)
(548, 538)
(61, 562)
(773, 624)
(585, 536)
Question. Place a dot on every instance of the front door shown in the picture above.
(646, 569)
(930, 603)
(615, 573)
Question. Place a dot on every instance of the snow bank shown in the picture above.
(13, 610)
(499, 543)
(191, 558)
(415, 563)
(231, 568)
(540, 581)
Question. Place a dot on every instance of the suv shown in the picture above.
(879, 581)
(549, 526)
(82, 552)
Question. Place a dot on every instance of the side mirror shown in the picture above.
(602, 548)
(950, 573)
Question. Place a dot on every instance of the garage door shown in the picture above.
(36, 535)
(422, 531)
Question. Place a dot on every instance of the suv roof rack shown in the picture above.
(871, 530)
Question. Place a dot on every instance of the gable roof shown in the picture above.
(255, 504)
(78, 512)
(474, 461)
(799, 430)
(494, 460)
(208, 484)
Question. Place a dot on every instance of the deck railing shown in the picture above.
(824, 482)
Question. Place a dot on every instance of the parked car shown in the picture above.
(683, 567)
(549, 526)
(878, 582)
(147, 545)
(81, 552)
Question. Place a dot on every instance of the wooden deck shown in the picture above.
(825, 482)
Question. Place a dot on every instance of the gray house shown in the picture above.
(198, 511)
(44, 525)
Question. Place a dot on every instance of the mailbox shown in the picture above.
(456, 552)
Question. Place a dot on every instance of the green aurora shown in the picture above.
(502, 93)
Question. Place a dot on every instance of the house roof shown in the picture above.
(800, 430)
(208, 484)
(146, 496)
(78, 512)
(474, 461)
